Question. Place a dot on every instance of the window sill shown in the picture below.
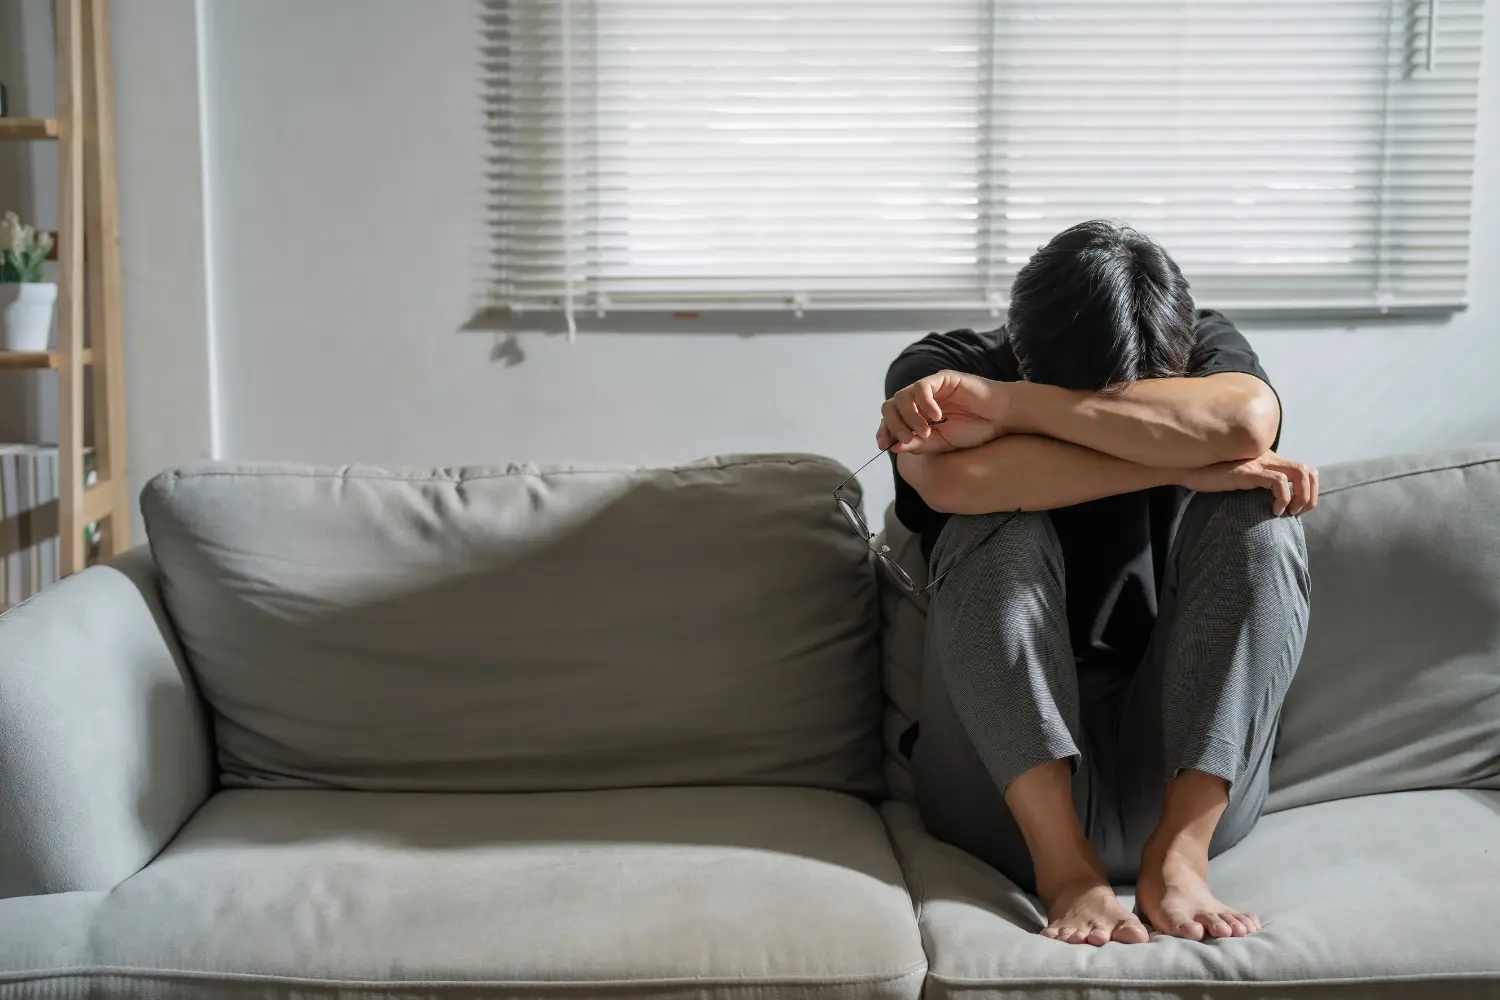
(751, 321)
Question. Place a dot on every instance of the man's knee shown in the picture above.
(1241, 523)
(1024, 541)
(1238, 511)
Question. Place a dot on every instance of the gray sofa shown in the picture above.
(545, 733)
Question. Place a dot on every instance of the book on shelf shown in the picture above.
(30, 550)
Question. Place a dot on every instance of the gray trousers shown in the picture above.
(1001, 694)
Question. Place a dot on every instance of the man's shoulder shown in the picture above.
(1210, 320)
(985, 353)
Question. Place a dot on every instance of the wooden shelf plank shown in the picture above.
(22, 360)
(28, 128)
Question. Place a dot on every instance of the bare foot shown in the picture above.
(1085, 911)
(1172, 893)
(1081, 907)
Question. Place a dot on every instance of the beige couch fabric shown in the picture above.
(1399, 686)
(523, 628)
(1370, 898)
(903, 627)
(654, 893)
(104, 747)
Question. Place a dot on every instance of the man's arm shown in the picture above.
(1180, 423)
(1023, 472)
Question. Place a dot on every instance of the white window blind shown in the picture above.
(839, 161)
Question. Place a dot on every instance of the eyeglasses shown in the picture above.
(883, 553)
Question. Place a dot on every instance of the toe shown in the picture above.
(1131, 931)
(1215, 925)
(1190, 929)
(1237, 924)
(1099, 934)
(1050, 932)
(1075, 935)
(1253, 922)
(1180, 923)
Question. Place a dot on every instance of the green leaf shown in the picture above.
(11, 270)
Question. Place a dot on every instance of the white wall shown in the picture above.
(345, 200)
(169, 374)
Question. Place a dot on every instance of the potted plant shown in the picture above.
(26, 300)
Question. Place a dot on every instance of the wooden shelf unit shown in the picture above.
(28, 128)
(22, 361)
(88, 286)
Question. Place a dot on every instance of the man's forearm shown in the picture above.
(1182, 423)
(1024, 472)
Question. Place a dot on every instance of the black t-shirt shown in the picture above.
(1115, 548)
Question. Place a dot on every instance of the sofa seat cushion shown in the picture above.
(647, 893)
(1379, 897)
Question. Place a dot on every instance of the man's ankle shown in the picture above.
(1180, 846)
(1064, 865)
(1194, 801)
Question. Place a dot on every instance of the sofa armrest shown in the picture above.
(104, 744)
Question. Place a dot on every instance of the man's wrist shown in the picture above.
(1021, 408)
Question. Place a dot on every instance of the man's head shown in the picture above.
(1098, 307)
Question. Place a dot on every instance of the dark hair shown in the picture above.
(1098, 307)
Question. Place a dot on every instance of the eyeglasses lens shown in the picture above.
(852, 516)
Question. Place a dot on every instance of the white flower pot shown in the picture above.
(26, 315)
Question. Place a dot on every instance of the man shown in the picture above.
(1124, 586)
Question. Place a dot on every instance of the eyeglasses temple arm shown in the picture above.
(857, 471)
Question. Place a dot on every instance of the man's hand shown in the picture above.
(943, 412)
(1293, 486)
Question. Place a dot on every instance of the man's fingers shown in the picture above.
(927, 401)
(1313, 475)
(883, 437)
(1281, 492)
(912, 414)
(1301, 488)
(895, 422)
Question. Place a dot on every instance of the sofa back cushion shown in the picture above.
(1399, 684)
(903, 635)
(524, 628)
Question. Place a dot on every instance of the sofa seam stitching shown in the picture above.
(1393, 476)
(182, 474)
(1405, 977)
(905, 972)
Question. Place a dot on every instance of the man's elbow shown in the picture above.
(1254, 424)
(932, 480)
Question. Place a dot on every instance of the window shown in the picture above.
(864, 163)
